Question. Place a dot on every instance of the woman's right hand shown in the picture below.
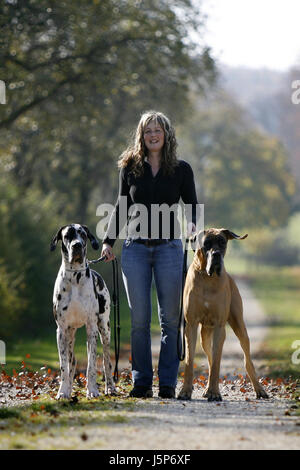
(107, 252)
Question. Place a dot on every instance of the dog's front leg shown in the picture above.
(191, 339)
(213, 393)
(104, 331)
(64, 389)
(92, 336)
(72, 359)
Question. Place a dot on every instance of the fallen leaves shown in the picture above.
(277, 387)
(27, 384)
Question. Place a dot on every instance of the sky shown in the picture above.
(254, 33)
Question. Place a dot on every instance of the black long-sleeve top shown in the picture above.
(148, 190)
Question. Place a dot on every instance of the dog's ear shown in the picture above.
(199, 256)
(56, 239)
(193, 242)
(93, 240)
(200, 259)
(199, 238)
(231, 235)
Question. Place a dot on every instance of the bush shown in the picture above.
(27, 269)
(10, 302)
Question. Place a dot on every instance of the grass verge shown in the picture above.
(68, 424)
(278, 290)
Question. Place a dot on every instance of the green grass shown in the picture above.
(278, 290)
(48, 424)
(43, 349)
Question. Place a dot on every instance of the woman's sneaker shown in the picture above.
(141, 392)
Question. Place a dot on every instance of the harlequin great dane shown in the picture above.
(211, 299)
(80, 298)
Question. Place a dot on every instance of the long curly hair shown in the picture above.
(136, 153)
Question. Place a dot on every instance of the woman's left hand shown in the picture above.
(191, 229)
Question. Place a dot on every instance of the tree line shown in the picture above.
(78, 76)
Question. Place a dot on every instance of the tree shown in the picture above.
(79, 74)
(288, 115)
(242, 174)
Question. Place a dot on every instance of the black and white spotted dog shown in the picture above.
(80, 298)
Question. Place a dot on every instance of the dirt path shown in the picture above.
(232, 424)
(238, 422)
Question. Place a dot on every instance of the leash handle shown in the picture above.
(94, 261)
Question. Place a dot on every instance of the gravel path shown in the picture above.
(238, 422)
(232, 424)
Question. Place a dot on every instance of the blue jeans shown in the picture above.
(139, 263)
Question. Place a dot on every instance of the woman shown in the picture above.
(151, 174)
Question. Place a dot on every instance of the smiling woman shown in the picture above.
(154, 134)
(152, 175)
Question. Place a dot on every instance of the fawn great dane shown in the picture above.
(211, 299)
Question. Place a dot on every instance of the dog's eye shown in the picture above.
(82, 233)
(207, 245)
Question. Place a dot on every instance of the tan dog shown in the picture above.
(212, 299)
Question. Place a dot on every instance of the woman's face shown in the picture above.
(154, 137)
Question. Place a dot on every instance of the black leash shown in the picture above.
(116, 308)
(117, 327)
(181, 323)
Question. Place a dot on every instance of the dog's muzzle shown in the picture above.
(214, 263)
(77, 252)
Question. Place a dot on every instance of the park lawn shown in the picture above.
(42, 351)
(278, 290)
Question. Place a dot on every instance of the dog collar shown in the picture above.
(76, 270)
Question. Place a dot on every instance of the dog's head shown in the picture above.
(211, 249)
(74, 242)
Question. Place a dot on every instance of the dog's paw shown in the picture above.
(62, 394)
(92, 393)
(261, 393)
(184, 394)
(213, 396)
(110, 389)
